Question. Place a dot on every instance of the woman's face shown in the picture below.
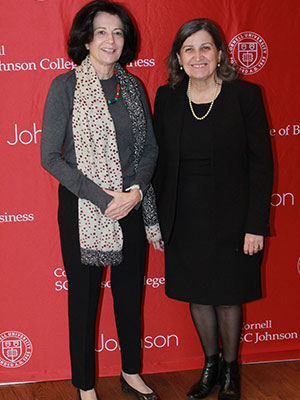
(108, 41)
(199, 56)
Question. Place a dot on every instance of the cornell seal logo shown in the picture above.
(15, 349)
(298, 265)
(250, 51)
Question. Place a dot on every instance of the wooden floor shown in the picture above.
(274, 381)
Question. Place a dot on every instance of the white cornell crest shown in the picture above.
(15, 349)
(250, 51)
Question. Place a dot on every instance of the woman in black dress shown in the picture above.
(213, 184)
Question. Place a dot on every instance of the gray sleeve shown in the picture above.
(150, 153)
(56, 123)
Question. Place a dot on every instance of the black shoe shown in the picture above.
(209, 378)
(141, 396)
(230, 381)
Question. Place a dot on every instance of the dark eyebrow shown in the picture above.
(103, 27)
(191, 45)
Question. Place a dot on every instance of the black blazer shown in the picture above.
(241, 159)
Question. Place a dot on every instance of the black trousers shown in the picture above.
(84, 288)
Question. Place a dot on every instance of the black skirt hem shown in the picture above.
(232, 301)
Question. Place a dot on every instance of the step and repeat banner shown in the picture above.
(262, 39)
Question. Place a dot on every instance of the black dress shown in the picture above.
(198, 270)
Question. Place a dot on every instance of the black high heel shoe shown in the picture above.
(230, 381)
(141, 396)
(209, 379)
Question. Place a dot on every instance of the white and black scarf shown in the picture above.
(101, 238)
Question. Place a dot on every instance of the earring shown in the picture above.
(218, 65)
(181, 67)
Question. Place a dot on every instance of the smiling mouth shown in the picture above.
(199, 65)
(108, 50)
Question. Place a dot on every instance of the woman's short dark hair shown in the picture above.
(82, 31)
(225, 72)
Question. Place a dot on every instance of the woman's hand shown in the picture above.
(122, 203)
(253, 243)
(159, 245)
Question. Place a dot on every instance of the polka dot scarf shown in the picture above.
(101, 238)
(97, 157)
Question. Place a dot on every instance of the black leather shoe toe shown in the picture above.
(141, 396)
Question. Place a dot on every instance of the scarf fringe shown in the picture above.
(101, 258)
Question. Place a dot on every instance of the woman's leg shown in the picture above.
(230, 319)
(83, 295)
(127, 281)
(205, 321)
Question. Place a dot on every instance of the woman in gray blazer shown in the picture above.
(98, 142)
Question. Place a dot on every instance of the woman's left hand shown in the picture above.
(253, 243)
(122, 203)
(159, 245)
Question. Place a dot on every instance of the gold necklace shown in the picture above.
(210, 106)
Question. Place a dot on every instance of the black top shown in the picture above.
(195, 135)
(123, 130)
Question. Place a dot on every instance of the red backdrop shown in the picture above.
(33, 288)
